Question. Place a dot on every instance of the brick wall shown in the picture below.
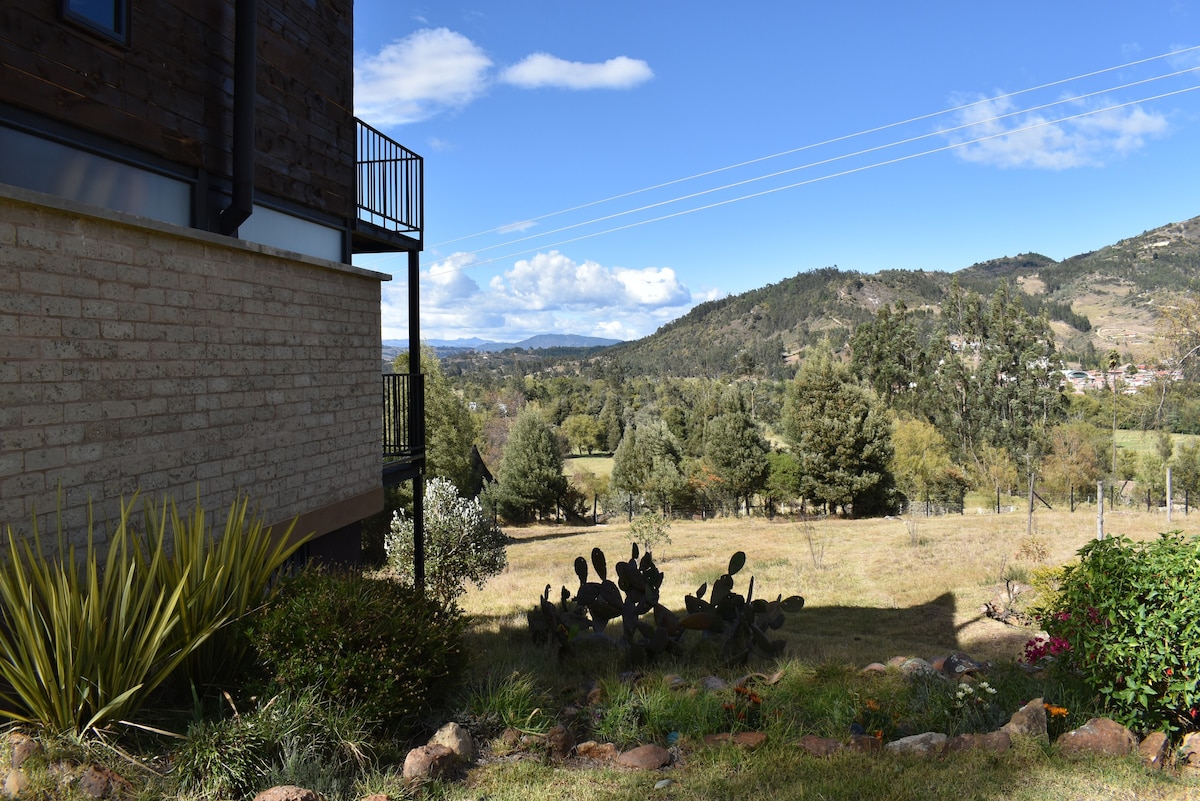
(137, 355)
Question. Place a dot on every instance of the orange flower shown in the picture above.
(1055, 711)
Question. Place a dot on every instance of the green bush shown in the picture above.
(373, 643)
(1127, 619)
(461, 543)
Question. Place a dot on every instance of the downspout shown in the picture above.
(245, 93)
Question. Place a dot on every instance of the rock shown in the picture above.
(1187, 757)
(376, 797)
(457, 739)
(875, 667)
(916, 667)
(560, 742)
(595, 696)
(674, 682)
(604, 752)
(748, 740)
(959, 664)
(23, 747)
(663, 784)
(1153, 750)
(996, 742)
(897, 661)
(1028, 721)
(100, 782)
(289, 792)
(931, 742)
(428, 762)
(713, 684)
(645, 757)
(510, 737)
(864, 744)
(1098, 736)
(15, 784)
(820, 746)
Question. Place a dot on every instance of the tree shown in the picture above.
(1077, 458)
(461, 544)
(783, 479)
(583, 432)
(735, 450)
(529, 480)
(921, 459)
(1185, 469)
(840, 433)
(647, 463)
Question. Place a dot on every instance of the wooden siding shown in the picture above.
(170, 92)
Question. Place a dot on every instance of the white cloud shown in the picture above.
(542, 69)
(1000, 137)
(549, 293)
(418, 76)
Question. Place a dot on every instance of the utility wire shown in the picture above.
(835, 140)
(897, 160)
(830, 160)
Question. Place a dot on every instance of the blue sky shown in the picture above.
(601, 168)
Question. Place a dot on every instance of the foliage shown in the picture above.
(783, 479)
(842, 437)
(85, 638)
(224, 578)
(735, 449)
(1127, 618)
(1185, 469)
(646, 464)
(1077, 458)
(920, 460)
(529, 480)
(512, 701)
(651, 530)
(292, 739)
(461, 544)
(373, 643)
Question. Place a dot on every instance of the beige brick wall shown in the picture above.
(142, 356)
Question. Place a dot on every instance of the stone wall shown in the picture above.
(142, 356)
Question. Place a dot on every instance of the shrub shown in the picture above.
(650, 530)
(1125, 620)
(461, 543)
(373, 643)
(299, 739)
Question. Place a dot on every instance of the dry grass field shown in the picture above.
(873, 588)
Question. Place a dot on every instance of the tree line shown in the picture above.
(915, 408)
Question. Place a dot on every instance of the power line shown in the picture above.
(897, 160)
(831, 159)
(835, 140)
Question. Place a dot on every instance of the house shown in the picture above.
(183, 184)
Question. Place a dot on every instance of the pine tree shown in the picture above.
(735, 450)
(840, 433)
(529, 480)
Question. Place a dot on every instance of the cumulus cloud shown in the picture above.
(542, 69)
(436, 69)
(999, 137)
(418, 76)
(552, 280)
(549, 293)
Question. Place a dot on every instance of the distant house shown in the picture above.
(182, 186)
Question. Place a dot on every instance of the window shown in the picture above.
(106, 18)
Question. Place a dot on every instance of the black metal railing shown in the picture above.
(391, 182)
(403, 416)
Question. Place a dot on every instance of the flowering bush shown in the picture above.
(1125, 620)
(461, 543)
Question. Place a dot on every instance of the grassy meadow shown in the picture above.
(874, 589)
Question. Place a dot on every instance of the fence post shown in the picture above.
(1100, 510)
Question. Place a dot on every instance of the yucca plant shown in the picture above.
(85, 638)
(82, 643)
(222, 578)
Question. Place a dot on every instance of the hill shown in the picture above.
(1096, 301)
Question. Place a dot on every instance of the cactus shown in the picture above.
(743, 621)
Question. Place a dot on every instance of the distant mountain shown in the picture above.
(455, 347)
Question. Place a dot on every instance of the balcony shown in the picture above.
(403, 427)
(391, 192)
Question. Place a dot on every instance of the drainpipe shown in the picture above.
(245, 71)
